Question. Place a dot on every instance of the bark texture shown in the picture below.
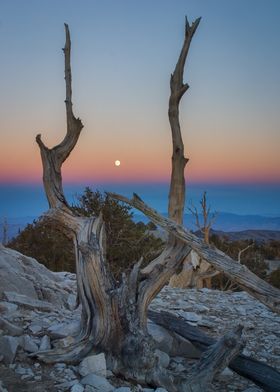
(177, 90)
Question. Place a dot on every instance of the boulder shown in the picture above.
(93, 364)
(8, 308)
(28, 344)
(163, 358)
(28, 302)
(8, 348)
(24, 275)
(45, 343)
(163, 339)
(62, 330)
(10, 329)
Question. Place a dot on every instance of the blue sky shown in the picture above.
(122, 57)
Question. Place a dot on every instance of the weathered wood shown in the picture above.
(53, 159)
(235, 271)
(177, 90)
(214, 360)
(261, 374)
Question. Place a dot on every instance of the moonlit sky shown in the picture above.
(122, 55)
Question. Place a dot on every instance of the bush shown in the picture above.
(127, 241)
(253, 257)
(274, 278)
(46, 242)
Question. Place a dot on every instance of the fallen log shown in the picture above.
(261, 374)
(238, 273)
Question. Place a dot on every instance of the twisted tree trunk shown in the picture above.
(114, 313)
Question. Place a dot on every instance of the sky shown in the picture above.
(123, 53)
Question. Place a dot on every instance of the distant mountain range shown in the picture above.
(230, 222)
(15, 225)
(236, 226)
(255, 235)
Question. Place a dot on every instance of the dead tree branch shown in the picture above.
(240, 274)
(178, 89)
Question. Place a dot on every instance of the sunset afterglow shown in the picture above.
(229, 116)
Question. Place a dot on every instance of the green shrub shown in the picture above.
(127, 241)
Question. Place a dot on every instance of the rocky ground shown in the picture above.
(37, 313)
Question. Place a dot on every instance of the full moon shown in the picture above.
(117, 163)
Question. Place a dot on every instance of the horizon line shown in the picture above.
(92, 183)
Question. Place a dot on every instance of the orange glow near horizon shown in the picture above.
(229, 116)
(81, 168)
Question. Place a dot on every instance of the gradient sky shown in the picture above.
(122, 55)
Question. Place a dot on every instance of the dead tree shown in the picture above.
(208, 218)
(114, 314)
(229, 285)
(243, 250)
(247, 280)
(205, 271)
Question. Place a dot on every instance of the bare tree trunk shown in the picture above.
(178, 89)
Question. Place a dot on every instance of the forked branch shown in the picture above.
(52, 159)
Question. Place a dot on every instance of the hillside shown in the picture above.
(256, 235)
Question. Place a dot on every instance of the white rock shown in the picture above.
(71, 301)
(28, 344)
(7, 307)
(45, 343)
(98, 382)
(30, 303)
(24, 275)
(20, 370)
(226, 373)
(10, 329)
(77, 388)
(61, 330)
(163, 339)
(163, 358)
(122, 389)
(35, 328)
(93, 364)
(8, 348)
